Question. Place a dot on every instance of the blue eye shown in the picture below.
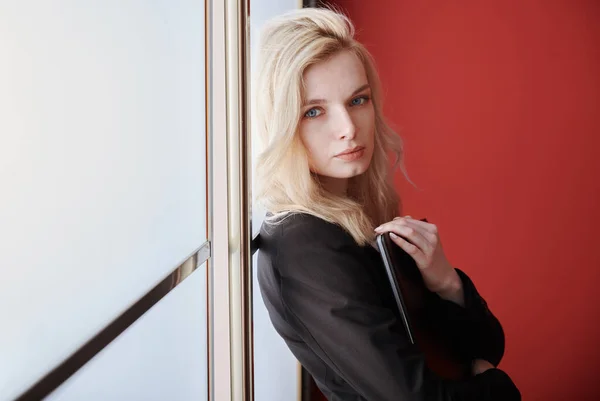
(359, 101)
(312, 113)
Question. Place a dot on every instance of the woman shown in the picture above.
(323, 176)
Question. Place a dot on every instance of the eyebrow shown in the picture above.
(319, 101)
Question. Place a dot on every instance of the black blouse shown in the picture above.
(331, 302)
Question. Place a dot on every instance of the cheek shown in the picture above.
(313, 142)
(366, 124)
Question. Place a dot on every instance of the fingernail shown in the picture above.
(378, 228)
(393, 235)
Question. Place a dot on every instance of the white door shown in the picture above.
(103, 194)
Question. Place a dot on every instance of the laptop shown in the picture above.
(412, 298)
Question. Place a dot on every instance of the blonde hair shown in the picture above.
(284, 183)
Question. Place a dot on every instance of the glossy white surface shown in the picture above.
(160, 357)
(102, 167)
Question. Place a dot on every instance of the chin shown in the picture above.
(352, 171)
(360, 167)
(358, 171)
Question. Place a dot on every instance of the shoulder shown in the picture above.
(298, 231)
(309, 249)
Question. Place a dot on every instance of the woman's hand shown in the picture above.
(426, 249)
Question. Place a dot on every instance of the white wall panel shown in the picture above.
(161, 357)
(102, 166)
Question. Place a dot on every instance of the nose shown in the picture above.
(345, 128)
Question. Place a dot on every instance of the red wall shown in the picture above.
(498, 103)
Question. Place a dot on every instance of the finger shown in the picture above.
(399, 219)
(430, 232)
(415, 236)
(432, 228)
(409, 248)
(408, 217)
(402, 221)
(410, 234)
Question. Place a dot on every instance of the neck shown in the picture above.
(337, 186)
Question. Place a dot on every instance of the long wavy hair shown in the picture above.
(284, 183)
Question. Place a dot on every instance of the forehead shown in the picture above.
(339, 75)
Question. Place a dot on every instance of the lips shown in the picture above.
(350, 151)
(352, 154)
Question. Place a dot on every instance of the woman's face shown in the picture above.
(338, 120)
